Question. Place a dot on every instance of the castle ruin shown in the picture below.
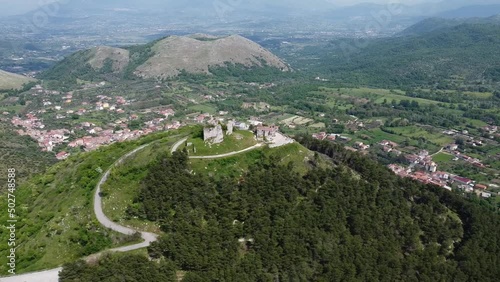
(213, 135)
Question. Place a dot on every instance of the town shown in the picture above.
(420, 165)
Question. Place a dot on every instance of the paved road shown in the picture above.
(42, 276)
(178, 144)
(228, 154)
(106, 222)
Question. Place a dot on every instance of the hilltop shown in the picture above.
(271, 222)
(67, 225)
(197, 55)
(165, 58)
(12, 81)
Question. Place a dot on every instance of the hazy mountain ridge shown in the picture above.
(434, 24)
(472, 11)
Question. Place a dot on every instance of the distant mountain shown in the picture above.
(165, 58)
(433, 24)
(12, 81)
(465, 53)
(471, 11)
(175, 54)
(176, 9)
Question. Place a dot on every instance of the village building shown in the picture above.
(241, 125)
(461, 180)
(62, 155)
(431, 166)
(423, 153)
(480, 187)
(441, 175)
(319, 136)
(255, 122)
(412, 159)
(266, 131)
(361, 146)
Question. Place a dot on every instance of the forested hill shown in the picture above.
(433, 24)
(164, 58)
(466, 54)
(354, 222)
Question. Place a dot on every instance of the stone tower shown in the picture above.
(230, 127)
(214, 135)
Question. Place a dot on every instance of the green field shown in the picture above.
(442, 158)
(203, 109)
(418, 132)
(377, 135)
(476, 123)
(379, 95)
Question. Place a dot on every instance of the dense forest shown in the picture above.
(354, 221)
(119, 268)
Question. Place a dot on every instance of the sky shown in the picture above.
(15, 7)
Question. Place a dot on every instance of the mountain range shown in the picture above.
(236, 11)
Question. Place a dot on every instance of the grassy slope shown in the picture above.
(21, 153)
(12, 81)
(231, 143)
(55, 211)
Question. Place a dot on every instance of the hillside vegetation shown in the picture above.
(56, 222)
(460, 56)
(274, 224)
(21, 153)
(195, 55)
(12, 81)
(433, 24)
(114, 59)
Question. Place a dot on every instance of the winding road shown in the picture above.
(52, 275)
(106, 222)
